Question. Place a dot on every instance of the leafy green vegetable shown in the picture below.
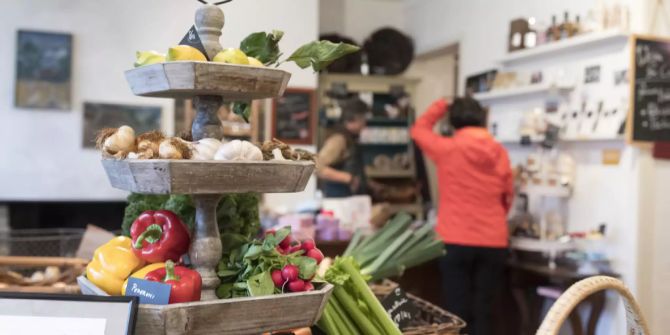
(237, 214)
(306, 265)
(243, 109)
(263, 46)
(261, 284)
(320, 54)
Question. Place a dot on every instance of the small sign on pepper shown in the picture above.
(149, 292)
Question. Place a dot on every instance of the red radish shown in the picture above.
(316, 254)
(296, 285)
(309, 286)
(286, 242)
(295, 247)
(281, 250)
(308, 244)
(290, 272)
(277, 278)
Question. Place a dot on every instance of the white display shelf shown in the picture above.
(571, 140)
(547, 191)
(531, 244)
(588, 40)
(520, 92)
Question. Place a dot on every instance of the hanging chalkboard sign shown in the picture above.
(294, 115)
(650, 90)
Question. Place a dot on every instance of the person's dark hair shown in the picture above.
(353, 109)
(466, 112)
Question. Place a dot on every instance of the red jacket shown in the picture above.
(475, 181)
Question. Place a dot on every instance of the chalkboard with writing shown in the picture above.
(650, 112)
(401, 309)
(294, 116)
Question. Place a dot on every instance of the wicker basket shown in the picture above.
(432, 320)
(576, 293)
(15, 274)
(57, 242)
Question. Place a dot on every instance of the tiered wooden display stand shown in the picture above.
(209, 84)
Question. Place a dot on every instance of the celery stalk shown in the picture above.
(350, 305)
(326, 323)
(363, 290)
(384, 256)
(348, 325)
(338, 321)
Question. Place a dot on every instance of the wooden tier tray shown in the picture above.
(186, 79)
(254, 315)
(160, 176)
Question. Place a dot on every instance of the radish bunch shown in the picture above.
(289, 277)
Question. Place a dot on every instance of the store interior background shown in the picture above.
(42, 159)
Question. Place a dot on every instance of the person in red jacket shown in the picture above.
(475, 185)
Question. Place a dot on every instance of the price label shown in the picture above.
(192, 38)
(149, 292)
(400, 308)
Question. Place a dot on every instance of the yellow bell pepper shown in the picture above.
(112, 263)
(141, 273)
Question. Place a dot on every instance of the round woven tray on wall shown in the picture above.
(432, 320)
(581, 290)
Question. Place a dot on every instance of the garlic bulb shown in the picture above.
(174, 148)
(116, 142)
(205, 149)
(278, 155)
(148, 144)
(237, 150)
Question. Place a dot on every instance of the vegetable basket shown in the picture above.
(432, 320)
(569, 300)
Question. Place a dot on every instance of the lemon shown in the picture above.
(185, 52)
(255, 62)
(231, 56)
(148, 58)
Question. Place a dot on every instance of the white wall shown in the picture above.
(41, 156)
(358, 19)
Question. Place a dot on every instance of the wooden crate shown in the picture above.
(253, 315)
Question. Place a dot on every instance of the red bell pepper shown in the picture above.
(185, 283)
(159, 236)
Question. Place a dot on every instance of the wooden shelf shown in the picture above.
(588, 40)
(376, 173)
(521, 92)
(164, 176)
(185, 79)
(575, 140)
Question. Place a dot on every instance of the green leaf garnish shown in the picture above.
(320, 54)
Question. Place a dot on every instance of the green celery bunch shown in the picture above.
(353, 308)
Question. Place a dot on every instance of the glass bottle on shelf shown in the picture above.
(575, 27)
(550, 36)
(565, 27)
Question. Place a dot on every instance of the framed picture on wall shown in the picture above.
(43, 70)
(294, 116)
(101, 115)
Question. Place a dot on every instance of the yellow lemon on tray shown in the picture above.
(148, 57)
(185, 52)
(255, 62)
(231, 56)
